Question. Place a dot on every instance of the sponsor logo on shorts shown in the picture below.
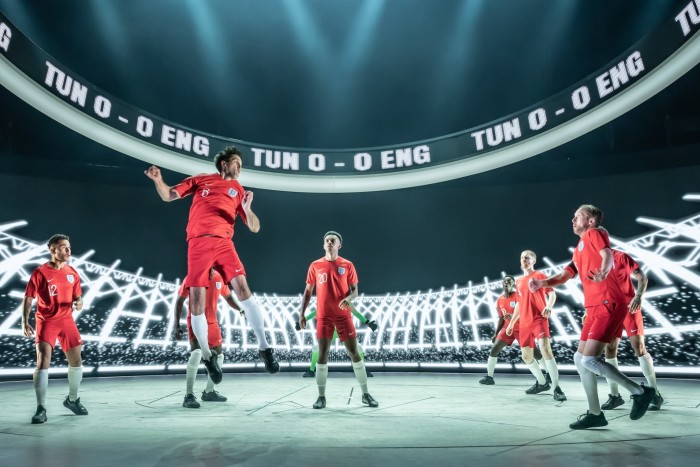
(580, 245)
(232, 192)
(341, 271)
(70, 278)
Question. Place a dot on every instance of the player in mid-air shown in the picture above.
(335, 280)
(217, 200)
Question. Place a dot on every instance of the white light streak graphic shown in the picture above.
(127, 316)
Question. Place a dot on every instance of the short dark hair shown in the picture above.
(333, 232)
(225, 155)
(594, 212)
(55, 239)
(509, 277)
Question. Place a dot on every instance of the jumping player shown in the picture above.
(606, 308)
(217, 199)
(56, 286)
(533, 310)
(336, 281)
(216, 288)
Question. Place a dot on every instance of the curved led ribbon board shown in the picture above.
(653, 63)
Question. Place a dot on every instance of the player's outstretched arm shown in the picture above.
(165, 192)
(558, 279)
(252, 220)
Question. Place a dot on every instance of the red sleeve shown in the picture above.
(77, 289)
(352, 274)
(498, 308)
(311, 275)
(630, 264)
(186, 187)
(598, 239)
(33, 284)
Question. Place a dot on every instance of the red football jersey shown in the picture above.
(506, 307)
(214, 290)
(586, 259)
(55, 291)
(215, 204)
(332, 280)
(624, 267)
(531, 304)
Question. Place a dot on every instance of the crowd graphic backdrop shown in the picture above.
(127, 321)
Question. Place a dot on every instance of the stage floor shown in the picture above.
(423, 419)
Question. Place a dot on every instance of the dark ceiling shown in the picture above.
(350, 73)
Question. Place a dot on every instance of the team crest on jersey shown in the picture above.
(218, 285)
(232, 192)
(70, 278)
(512, 304)
(341, 271)
(580, 245)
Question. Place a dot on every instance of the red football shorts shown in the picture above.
(205, 252)
(633, 324)
(63, 330)
(214, 338)
(340, 322)
(502, 336)
(530, 332)
(603, 322)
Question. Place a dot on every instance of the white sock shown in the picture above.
(590, 384)
(541, 363)
(255, 320)
(361, 375)
(200, 327)
(210, 383)
(535, 369)
(553, 371)
(599, 367)
(647, 364)
(41, 382)
(491, 366)
(191, 371)
(614, 391)
(75, 376)
(321, 377)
